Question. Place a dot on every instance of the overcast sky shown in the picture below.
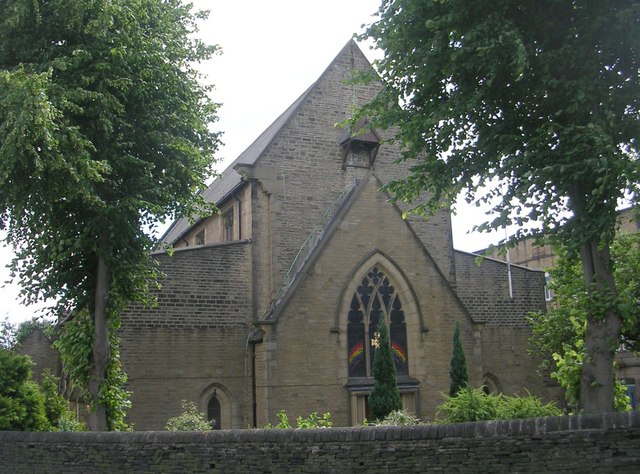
(272, 51)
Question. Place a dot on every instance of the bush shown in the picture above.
(313, 420)
(473, 404)
(191, 419)
(21, 403)
(56, 406)
(399, 418)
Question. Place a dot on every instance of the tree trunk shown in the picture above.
(98, 416)
(603, 331)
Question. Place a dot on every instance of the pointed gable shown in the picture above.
(231, 179)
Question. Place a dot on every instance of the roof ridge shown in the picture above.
(229, 180)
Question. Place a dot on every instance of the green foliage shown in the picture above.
(458, 374)
(74, 345)
(558, 334)
(7, 334)
(93, 152)
(313, 420)
(22, 406)
(384, 397)
(528, 108)
(191, 419)
(473, 404)
(511, 96)
(25, 327)
(56, 406)
(283, 424)
(399, 418)
(12, 335)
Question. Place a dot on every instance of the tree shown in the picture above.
(7, 334)
(104, 130)
(384, 397)
(558, 334)
(531, 108)
(22, 406)
(458, 374)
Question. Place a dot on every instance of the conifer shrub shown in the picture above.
(385, 396)
(22, 405)
(458, 374)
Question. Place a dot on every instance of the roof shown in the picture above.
(230, 180)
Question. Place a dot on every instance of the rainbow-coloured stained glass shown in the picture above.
(375, 297)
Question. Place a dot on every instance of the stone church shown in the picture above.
(271, 304)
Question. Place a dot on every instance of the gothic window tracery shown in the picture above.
(374, 298)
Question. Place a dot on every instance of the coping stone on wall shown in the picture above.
(534, 426)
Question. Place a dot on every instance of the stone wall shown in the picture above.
(595, 444)
(37, 346)
(484, 289)
(192, 344)
(307, 347)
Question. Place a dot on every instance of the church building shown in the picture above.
(272, 304)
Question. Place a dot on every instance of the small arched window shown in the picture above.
(213, 412)
(374, 298)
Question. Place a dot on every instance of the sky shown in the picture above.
(271, 52)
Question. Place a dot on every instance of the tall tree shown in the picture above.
(531, 107)
(458, 375)
(104, 129)
(558, 333)
(385, 396)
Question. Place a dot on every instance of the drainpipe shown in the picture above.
(253, 385)
(508, 266)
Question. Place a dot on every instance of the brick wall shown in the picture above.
(207, 286)
(307, 345)
(194, 340)
(37, 346)
(305, 160)
(595, 444)
(484, 289)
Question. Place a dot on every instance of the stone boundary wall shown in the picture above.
(594, 444)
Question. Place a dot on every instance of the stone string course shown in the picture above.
(594, 444)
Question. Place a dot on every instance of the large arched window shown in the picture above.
(374, 298)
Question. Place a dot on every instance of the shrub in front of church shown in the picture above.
(21, 403)
(191, 419)
(384, 397)
(56, 406)
(458, 375)
(313, 420)
(473, 404)
(399, 418)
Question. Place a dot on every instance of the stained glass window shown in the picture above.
(375, 297)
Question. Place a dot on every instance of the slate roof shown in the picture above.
(230, 180)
